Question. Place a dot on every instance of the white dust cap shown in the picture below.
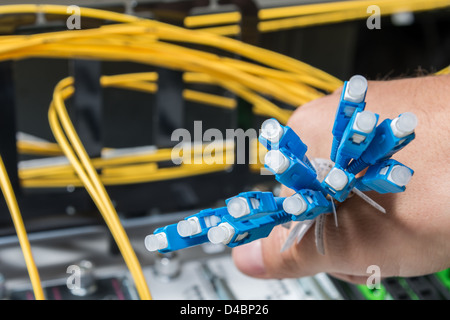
(221, 234)
(238, 207)
(276, 161)
(404, 124)
(365, 121)
(155, 242)
(400, 175)
(295, 204)
(271, 130)
(356, 89)
(189, 227)
(337, 179)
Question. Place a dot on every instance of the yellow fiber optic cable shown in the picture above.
(16, 216)
(262, 106)
(204, 62)
(126, 82)
(210, 99)
(78, 157)
(172, 33)
(86, 172)
(355, 5)
(114, 168)
(188, 62)
(168, 56)
(232, 30)
(446, 70)
(212, 19)
(111, 80)
(325, 13)
(31, 177)
(38, 148)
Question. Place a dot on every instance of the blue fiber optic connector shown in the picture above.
(352, 100)
(339, 183)
(389, 176)
(390, 137)
(357, 136)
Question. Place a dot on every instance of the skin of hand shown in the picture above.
(413, 237)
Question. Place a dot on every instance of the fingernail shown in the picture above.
(249, 260)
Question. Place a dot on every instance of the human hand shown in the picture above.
(413, 238)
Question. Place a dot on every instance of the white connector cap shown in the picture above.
(404, 124)
(356, 89)
(155, 242)
(276, 161)
(365, 121)
(400, 175)
(271, 130)
(212, 221)
(189, 227)
(295, 204)
(337, 179)
(221, 234)
(238, 207)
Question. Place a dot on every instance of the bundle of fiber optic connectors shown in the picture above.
(358, 144)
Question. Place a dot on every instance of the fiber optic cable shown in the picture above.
(277, 19)
(172, 33)
(16, 216)
(76, 153)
